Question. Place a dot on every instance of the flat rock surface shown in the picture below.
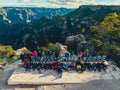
(49, 77)
(20, 76)
(108, 81)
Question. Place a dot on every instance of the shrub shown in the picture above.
(52, 47)
(6, 51)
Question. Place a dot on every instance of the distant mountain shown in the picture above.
(40, 32)
(26, 14)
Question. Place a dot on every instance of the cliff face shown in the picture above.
(25, 15)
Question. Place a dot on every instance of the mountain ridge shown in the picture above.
(27, 14)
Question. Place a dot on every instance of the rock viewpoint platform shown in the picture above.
(20, 76)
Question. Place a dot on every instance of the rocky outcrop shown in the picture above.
(22, 50)
(63, 48)
(79, 43)
(76, 42)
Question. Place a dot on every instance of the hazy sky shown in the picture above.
(57, 3)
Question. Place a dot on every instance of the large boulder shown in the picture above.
(79, 43)
(73, 41)
(78, 37)
(63, 48)
(22, 50)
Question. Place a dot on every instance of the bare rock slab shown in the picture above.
(20, 76)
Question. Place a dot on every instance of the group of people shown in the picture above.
(62, 62)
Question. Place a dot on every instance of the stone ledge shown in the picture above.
(21, 77)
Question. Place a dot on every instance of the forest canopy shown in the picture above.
(108, 35)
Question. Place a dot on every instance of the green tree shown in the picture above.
(52, 47)
(6, 51)
(106, 35)
(83, 30)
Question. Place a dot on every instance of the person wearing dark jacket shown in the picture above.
(39, 67)
(60, 71)
(99, 66)
(94, 66)
(78, 66)
(29, 66)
